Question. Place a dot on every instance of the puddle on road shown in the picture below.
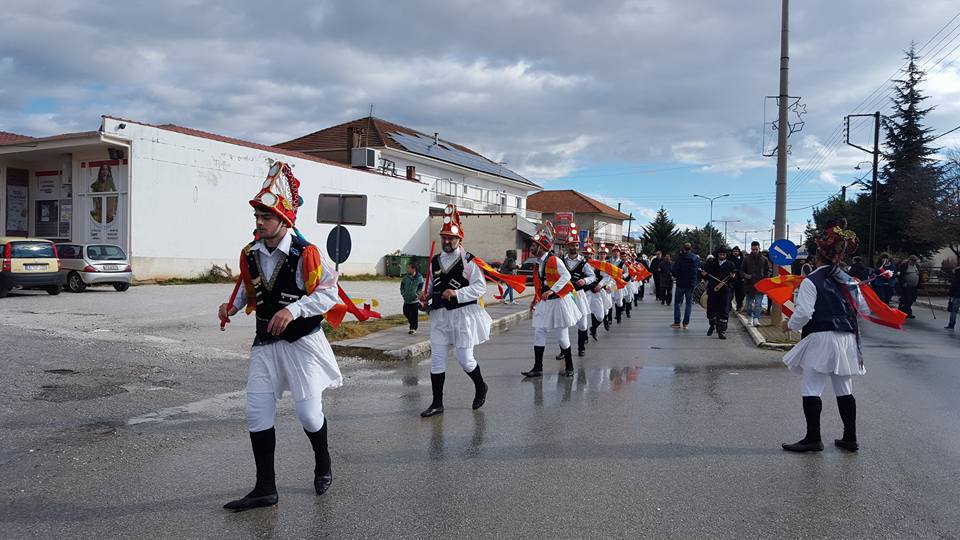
(219, 406)
(60, 371)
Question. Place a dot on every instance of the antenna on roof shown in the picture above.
(371, 110)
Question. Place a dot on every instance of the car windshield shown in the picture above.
(31, 250)
(105, 252)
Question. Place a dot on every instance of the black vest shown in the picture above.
(577, 273)
(283, 291)
(832, 312)
(453, 278)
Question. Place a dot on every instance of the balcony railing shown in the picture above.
(483, 207)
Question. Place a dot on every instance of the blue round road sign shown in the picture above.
(783, 252)
(338, 254)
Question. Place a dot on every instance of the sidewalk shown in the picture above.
(768, 336)
(396, 344)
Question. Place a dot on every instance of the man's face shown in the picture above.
(411, 270)
(754, 250)
(269, 225)
(722, 255)
(615, 255)
(449, 244)
(573, 250)
(736, 252)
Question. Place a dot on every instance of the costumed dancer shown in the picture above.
(456, 286)
(720, 274)
(825, 313)
(583, 279)
(554, 309)
(608, 286)
(286, 282)
(594, 295)
(622, 297)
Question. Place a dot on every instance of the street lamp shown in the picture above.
(711, 199)
(725, 222)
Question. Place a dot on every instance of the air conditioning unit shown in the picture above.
(367, 158)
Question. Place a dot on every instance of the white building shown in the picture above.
(176, 198)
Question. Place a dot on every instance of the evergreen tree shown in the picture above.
(910, 175)
(661, 234)
(700, 238)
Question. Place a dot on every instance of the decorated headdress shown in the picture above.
(280, 193)
(604, 250)
(545, 235)
(451, 222)
(835, 241)
(588, 246)
(574, 236)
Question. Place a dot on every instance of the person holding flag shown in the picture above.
(457, 319)
(621, 294)
(594, 291)
(554, 310)
(583, 279)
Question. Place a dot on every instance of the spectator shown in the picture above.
(909, 282)
(509, 267)
(410, 286)
(858, 269)
(886, 278)
(736, 257)
(953, 302)
(655, 269)
(796, 267)
(664, 279)
(686, 271)
(755, 267)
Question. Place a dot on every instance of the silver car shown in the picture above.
(94, 264)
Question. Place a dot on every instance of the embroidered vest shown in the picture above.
(443, 280)
(275, 292)
(832, 311)
(577, 273)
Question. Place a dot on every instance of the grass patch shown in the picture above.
(202, 279)
(356, 329)
(368, 277)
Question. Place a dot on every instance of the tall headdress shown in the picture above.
(545, 235)
(280, 193)
(588, 246)
(573, 237)
(451, 222)
(835, 241)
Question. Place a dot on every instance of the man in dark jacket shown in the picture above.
(686, 270)
(908, 280)
(755, 267)
(664, 276)
(953, 306)
(859, 270)
(886, 279)
(719, 273)
(654, 268)
(736, 257)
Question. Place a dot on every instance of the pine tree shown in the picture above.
(662, 233)
(910, 175)
(700, 238)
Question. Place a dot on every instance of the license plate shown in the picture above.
(111, 267)
(35, 266)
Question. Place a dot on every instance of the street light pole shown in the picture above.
(725, 222)
(711, 199)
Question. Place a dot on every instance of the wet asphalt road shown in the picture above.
(661, 433)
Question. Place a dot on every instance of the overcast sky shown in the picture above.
(639, 102)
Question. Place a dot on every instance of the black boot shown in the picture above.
(322, 474)
(811, 442)
(593, 327)
(626, 308)
(479, 387)
(567, 362)
(436, 406)
(265, 491)
(607, 319)
(559, 355)
(713, 326)
(722, 328)
(581, 342)
(537, 370)
(619, 313)
(848, 413)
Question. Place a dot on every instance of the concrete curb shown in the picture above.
(422, 348)
(758, 338)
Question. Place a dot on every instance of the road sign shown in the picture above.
(562, 221)
(338, 244)
(783, 252)
(342, 209)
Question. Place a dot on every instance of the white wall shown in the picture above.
(189, 209)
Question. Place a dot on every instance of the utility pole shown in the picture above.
(725, 222)
(711, 199)
(872, 235)
(782, 126)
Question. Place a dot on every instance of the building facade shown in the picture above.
(603, 223)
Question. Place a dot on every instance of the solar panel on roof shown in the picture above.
(424, 145)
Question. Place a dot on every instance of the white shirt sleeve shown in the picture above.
(589, 276)
(477, 287)
(323, 298)
(240, 302)
(803, 305)
(563, 279)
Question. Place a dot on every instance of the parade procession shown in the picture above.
(480, 270)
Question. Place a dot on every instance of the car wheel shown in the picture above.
(120, 287)
(75, 282)
(54, 290)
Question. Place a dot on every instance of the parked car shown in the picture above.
(83, 265)
(29, 263)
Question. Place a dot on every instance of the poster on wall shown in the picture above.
(48, 184)
(16, 210)
(66, 218)
(103, 181)
(48, 224)
(562, 225)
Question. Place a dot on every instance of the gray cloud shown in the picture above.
(545, 86)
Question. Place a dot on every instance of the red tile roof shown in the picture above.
(568, 200)
(8, 138)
